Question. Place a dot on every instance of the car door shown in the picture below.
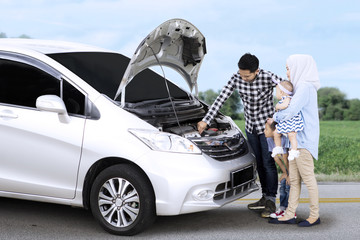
(39, 154)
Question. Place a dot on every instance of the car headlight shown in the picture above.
(163, 141)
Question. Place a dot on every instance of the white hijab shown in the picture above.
(303, 69)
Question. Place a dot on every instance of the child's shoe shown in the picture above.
(293, 154)
(279, 213)
(276, 151)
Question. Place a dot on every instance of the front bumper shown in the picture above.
(186, 183)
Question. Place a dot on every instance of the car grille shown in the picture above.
(240, 181)
(223, 148)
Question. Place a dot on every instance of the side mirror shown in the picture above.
(53, 103)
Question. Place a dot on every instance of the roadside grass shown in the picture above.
(338, 177)
(339, 151)
(339, 148)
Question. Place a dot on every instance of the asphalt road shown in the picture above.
(339, 210)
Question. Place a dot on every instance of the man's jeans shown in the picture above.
(265, 164)
(284, 193)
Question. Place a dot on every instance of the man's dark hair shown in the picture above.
(248, 62)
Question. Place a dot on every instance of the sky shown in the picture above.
(329, 30)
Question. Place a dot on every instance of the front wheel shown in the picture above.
(122, 200)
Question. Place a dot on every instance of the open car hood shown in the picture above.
(176, 44)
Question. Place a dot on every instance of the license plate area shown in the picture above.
(241, 176)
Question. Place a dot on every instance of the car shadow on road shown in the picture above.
(19, 217)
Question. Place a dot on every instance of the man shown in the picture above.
(255, 87)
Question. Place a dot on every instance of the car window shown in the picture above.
(21, 84)
(74, 100)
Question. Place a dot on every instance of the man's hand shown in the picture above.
(201, 126)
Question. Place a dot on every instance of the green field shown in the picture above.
(339, 150)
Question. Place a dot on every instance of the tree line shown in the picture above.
(332, 104)
(3, 35)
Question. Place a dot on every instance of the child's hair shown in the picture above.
(248, 62)
(273, 125)
(287, 85)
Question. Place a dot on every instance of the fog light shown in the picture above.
(203, 195)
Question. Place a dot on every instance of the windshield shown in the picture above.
(104, 71)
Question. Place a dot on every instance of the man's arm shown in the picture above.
(275, 78)
(226, 92)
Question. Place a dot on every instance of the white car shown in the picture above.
(89, 127)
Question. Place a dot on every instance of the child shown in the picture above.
(290, 127)
(270, 129)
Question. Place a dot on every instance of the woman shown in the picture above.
(302, 72)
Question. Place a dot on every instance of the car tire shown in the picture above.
(122, 200)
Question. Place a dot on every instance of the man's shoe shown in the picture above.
(257, 205)
(276, 221)
(269, 208)
(307, 224)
